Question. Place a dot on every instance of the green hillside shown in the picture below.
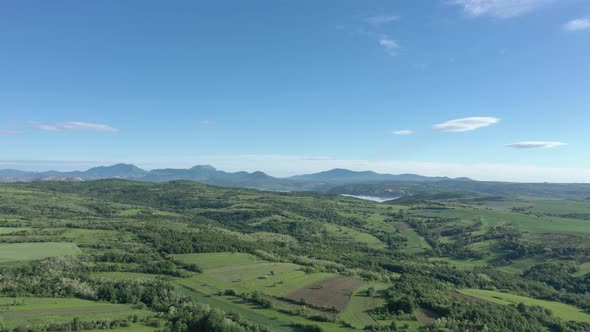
(182, 256)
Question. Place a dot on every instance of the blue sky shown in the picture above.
(291, 87)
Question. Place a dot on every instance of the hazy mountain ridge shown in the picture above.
(347, 176)
(211, 175)
(335, 181)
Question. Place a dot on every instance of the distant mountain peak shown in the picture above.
(113, 171)
(207, 168)
(120, 166)
(259, 174)
(342, 175)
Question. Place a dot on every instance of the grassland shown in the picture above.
(217, 260)
(527, 223)
(246, 273)
(22, 311)
(415, 244)
(280, 284)
(344, 233)
(276, 320)
(9, 230)
(357, 311)
(10, 252)
(542, 205)
(561, 310)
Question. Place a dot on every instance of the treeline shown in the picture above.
(412, 292)
(68, 277)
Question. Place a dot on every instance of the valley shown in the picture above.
(287, 261)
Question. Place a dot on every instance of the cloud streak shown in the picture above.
(499, 8)
(389, 45)
(577, 24)
(72, 126)
(535, 145)
(206, 122)
(403, 132)
(382, 19)
(465, 124)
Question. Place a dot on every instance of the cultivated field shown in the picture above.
(329, 293)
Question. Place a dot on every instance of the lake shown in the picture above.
(372, 198)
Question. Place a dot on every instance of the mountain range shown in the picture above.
(336, 181)
(210, 175)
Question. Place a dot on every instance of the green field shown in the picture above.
(344, 233)
(528, 223)
(9, 230)
(279, 285)
(276, 320)
(561, 310)
(543, 205)
(23, 311)
(10, 252)
(357, 310)
(416, 244)
(245, 273)
(216, 260)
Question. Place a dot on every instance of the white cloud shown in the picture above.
(577, 24)
(533, 145)
(72, 125)
(382, 19)
(403, 132)
(390, 45)
(499, 8)
(465, 124)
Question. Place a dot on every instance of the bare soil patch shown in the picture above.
(334, 292)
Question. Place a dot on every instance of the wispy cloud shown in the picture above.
(535, 145)
(499, 8)
(465, 124)
(403, 132)
(206, 122)
(10, 132)
(72, 125)
(389, 45)
(577, 24)
(382, 19)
